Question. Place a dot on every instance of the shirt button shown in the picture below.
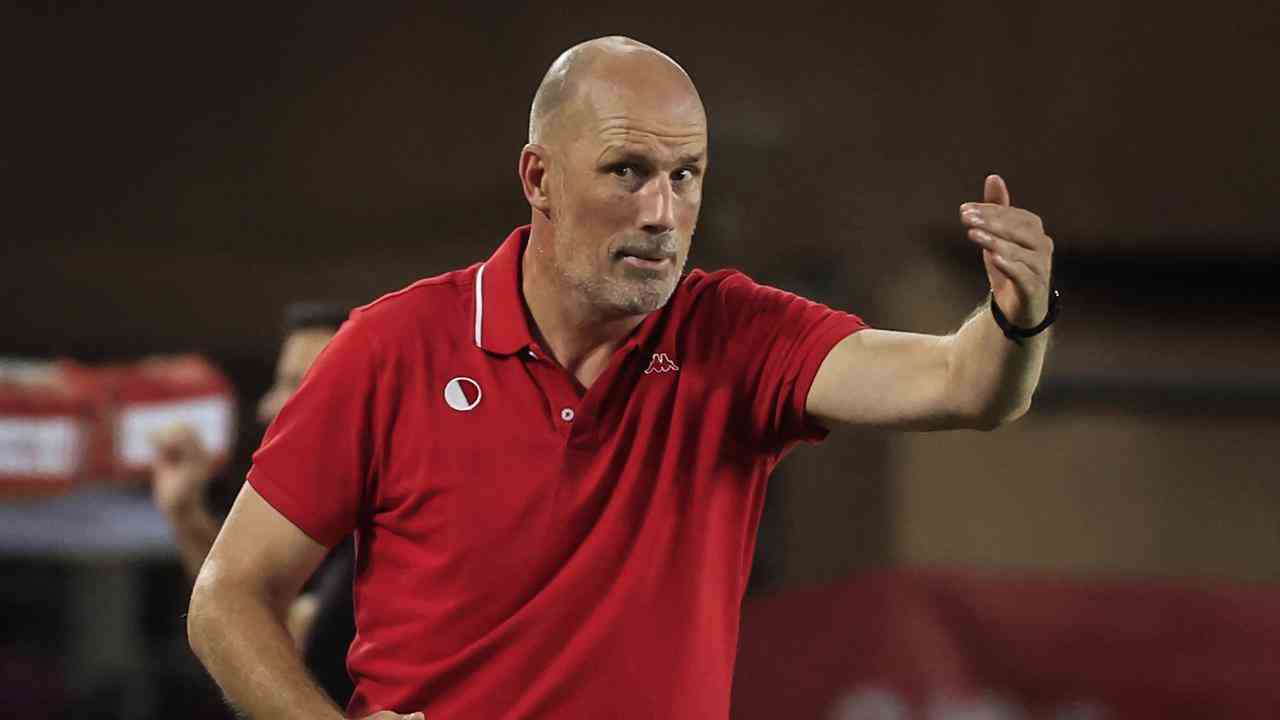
(566, 414)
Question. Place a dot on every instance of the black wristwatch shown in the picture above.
(1015, 333)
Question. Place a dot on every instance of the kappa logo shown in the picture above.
(462, 393)
(661, 364)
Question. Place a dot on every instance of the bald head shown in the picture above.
(604, 71)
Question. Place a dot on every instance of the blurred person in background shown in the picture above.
(555, 460)
(320, 620)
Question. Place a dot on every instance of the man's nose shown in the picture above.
(657, 206)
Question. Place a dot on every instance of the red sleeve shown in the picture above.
(316, 463)
(782, 339)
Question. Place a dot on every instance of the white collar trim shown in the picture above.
(479, 302)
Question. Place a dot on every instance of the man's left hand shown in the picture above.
(1016, 251)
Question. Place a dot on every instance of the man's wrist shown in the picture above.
(1018, 333)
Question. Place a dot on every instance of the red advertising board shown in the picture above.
(64, 423)
(956, 644)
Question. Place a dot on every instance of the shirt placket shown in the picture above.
(559, 389)
(571, 409)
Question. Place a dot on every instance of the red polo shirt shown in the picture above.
(529, 550)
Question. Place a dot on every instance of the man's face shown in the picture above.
(299, 350)
(628, 187)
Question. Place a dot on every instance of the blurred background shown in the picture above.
(176, 175)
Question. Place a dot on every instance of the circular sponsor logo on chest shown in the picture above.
(462, 393)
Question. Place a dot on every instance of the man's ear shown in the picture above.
(534, 178)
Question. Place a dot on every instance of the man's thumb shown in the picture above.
(415, 716)
(995, 191)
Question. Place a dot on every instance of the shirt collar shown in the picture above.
(501, 325)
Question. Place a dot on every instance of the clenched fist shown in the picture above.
(181, 471)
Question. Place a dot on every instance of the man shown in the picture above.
(554, 461)
(320, 620)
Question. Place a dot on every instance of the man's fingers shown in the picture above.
(994, 190)
(1027, 282)
(1036, 262)
(162, 437)
(1019, 272)
(1014, 224)
(178, 443)
(177, 433)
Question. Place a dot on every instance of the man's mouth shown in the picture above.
(647, 259)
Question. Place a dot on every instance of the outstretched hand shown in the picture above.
(1017, 253)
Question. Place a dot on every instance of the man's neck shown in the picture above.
(577, 336)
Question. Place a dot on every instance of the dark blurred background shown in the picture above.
(176, 174)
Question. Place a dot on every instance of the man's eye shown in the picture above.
(683, 174)
(623, 171)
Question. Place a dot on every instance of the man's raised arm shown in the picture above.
(974, 378)
(238, 608)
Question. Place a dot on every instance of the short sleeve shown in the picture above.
(781, 339)
(315, 465)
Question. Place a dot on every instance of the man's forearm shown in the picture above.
(994, 376)
(194, 530)
(245, 646)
